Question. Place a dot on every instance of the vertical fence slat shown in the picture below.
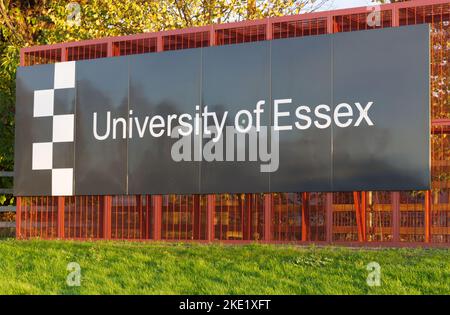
(60, 229)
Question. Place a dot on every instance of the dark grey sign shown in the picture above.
(341, 112)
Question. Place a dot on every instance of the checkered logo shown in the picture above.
(63, 129)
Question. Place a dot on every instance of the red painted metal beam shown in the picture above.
(440, 122)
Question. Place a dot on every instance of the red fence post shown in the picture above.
(210, 207)
(22, 58)
(61, 201)
(269, 35)
(363, 215)
(109, 48)
(395, 17)
(159, 44)
(157, 216)
(197, 217)
(267, 217)
(329, 221)
(305, 217)
(63, 54)
(107, 217)
(139, 210)
(356, 201)
(246, 217)
(212, 36)
(330, 25)
(18, 217)
(427, 221)
(395, 203)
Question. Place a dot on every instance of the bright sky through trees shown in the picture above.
(343, 4)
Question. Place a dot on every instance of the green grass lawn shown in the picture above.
(40, 267)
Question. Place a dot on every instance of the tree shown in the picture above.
(45, 22)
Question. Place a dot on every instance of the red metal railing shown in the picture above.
(83, 217)
(239, 217)
(93, 51)
(394, 218)
(184, 217)
(238, 35)
(379, 218)
(186, 40)
(134, 47)
(359, 21)
(299, 28)
(37, 217)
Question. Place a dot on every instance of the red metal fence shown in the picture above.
(370, 218)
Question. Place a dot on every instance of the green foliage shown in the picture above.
(101, 18)
(8, 66)
(40, 267)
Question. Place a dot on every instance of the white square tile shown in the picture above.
(63, 128)
(64, 75)
(43, 103)
(42, 158)
(62, 182)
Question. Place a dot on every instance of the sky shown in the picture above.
(342, 4)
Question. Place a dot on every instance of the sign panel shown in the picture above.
(341, 112)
